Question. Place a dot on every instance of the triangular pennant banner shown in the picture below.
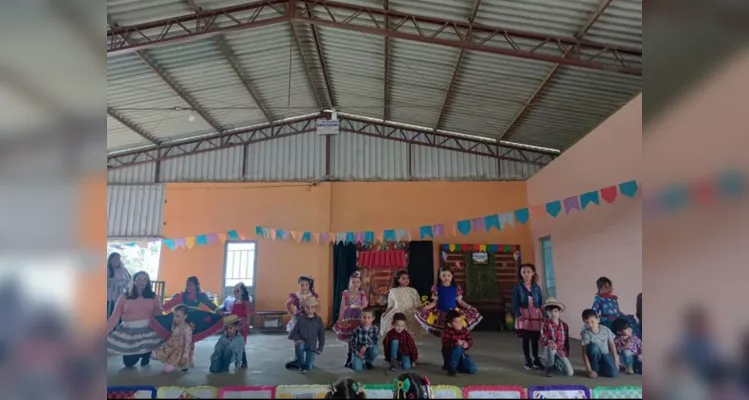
(306, 237)
(589, 198)
(402, 235)
(673, 198)
(267, 233)
(233, 235)
(439, 230)
(731, 184)
(273, 233)
(522, 215)
(609, 194)
(359, 237)
(492, 248)
(628, 188)
(169, 243)
(507, 219)
(201, 240)
(213, 238)
(553, 208)
(426, 232)
(451, 247)
(478, 224)
(482, 247)
(464, 227)
(259, 231)
(492, 221)
(324, 238)
(350, 238)
(571, 203)
(389, 235)
(190, 242)
(179, 243)
(369, 237)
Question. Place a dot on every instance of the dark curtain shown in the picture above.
(421, 266)
(344, 264)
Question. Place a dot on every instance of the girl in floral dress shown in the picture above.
(176, 353)
(526, 306)
(295, 309)
(606, 305)
(446, 296)
(353, 301)
(242, 308)
(404, 299)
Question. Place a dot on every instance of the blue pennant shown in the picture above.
(426, 232)
(169, 243)
(233, 235)
(522, 215)
(628, 188)
(369, 237)
(731, 184)
(389, 235)
(590, 197)
(673, 198)
(492, 221)
(259, 231)
(464, 227)
(350, 238)
(307, 237)
(554, 208)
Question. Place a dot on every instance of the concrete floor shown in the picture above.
(498, 356)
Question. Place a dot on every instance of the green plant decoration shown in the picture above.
(481, 279)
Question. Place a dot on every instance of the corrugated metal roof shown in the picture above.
(491, 96)
(360, 158)
(136, 174)
(135, 211)
(293, 158)
(207, 166)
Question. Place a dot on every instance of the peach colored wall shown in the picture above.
(601, 241)
(199, 208)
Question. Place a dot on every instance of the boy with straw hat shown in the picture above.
(229, 347)
(555, 335)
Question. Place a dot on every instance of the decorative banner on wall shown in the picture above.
(247, 392)
(672, 198)
(494, 392)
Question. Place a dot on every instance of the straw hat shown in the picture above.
(230, 319)
(552, 302)
(311, 301)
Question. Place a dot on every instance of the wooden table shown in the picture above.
(271, 321)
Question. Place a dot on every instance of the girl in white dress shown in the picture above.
(402, 298)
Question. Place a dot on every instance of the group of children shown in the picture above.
(610, 338)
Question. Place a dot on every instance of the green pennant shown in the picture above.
(507, 248)
(458, 247)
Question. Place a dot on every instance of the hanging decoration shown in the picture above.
(670, 199)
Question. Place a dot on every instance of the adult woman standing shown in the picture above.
(128, 330)
(202, 314)
(118, 280)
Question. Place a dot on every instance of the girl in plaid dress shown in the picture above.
(526, 305)
(445, 297)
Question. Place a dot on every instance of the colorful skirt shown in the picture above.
(346, 324)
(434, 320)
(528, 324)
(204, 324)
(133, 338)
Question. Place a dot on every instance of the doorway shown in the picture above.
(240, 265)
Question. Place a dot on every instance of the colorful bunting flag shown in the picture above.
(464, 227)
(609, 194)
(507, 219)
(522, 215)
(492, 221)
(201, 240)
(571, 204)
(233, 235)
(628, 188)
(589, 198)
(439, 230)
(426, 232)
(553, 208)
(478, 224)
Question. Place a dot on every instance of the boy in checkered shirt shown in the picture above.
(364, 343)
(555, 338)
(456, 340)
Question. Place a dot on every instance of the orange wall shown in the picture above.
(202, 208)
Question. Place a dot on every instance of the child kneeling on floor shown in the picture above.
(176, 353)
(229, 347)
(555, 338)
(308, 335)
(628, 346)
(599, 350)
(365, 342)
(399, 345)
(456, 340)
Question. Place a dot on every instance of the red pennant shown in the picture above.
(609, 194)
(703, 192)
(468, 247)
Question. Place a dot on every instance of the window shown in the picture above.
(240, 263)
(548, 262)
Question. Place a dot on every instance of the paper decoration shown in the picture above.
(571, 204)
(381, 391)
(621, 392)
(589, 198)
(559, 392)
(464, 227)
(446, 392)
(247, 392)
(492, 221)
(302, 391)
(553, 208)
(522, 215)
(628, 188)
(131, 392)
(494, 392)
(178, 392)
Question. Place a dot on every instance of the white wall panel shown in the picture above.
(136, 174)
(135, 211)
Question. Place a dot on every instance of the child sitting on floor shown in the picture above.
(456, 340)
(176, 353)
(555, 335)
(606, 305)
(628, 346)
(412, 386)
(229, 347)
(346, 388)
(365, 342)
(599, 350)
(399, 345)
(308, 335)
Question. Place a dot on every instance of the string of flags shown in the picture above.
(669, 199)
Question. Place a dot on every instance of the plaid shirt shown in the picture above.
(365, 337)
(556, 333)
(634, 345)
(406, 345)
(450, 337)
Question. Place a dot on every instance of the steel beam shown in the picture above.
(580, 53)
(195, 25)
(386, 56)
(592, 20)
(456, 71)
(494, 40)
(132, 126)
(386, 131)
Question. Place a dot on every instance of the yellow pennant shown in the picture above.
(190, 242)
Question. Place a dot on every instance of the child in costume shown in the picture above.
(308, 335)
(456, 341)
(353, 301)
(399, 345)
(365, 342)
(295, 309)
(412, 386)
(599, 350)
(242, 308)
(346, 388)
(176, 353)
(628, 346)
(404, 299)
(526, 305)
(555, 338)
(446, 296)
(202, 313)
(606, 305)
(229, 347)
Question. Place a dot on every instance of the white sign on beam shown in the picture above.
(327, 127)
